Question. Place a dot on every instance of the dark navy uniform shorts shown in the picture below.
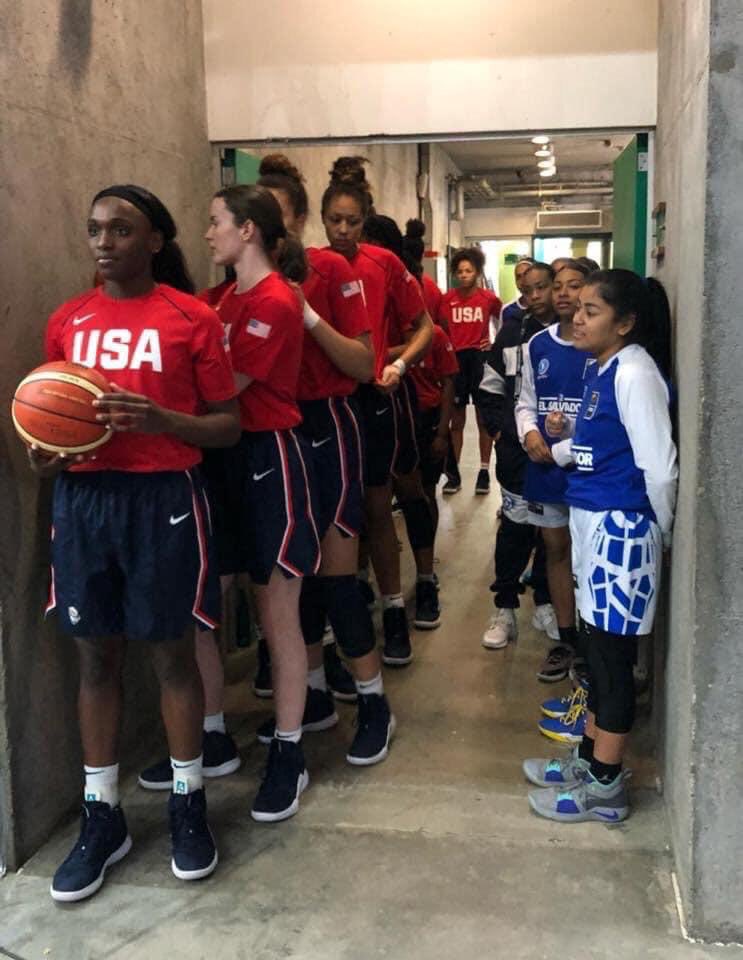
(133, 554)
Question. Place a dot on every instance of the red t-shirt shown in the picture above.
(266, 334)
(389, 290)
(428, 373)
(166, 345)
(431, 296)
(469, 317)
(331, 289)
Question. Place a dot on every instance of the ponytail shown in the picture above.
(628, 294)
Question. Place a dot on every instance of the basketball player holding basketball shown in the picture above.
(132, 557)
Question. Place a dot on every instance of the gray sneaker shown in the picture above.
(561, 772)
(587, 800)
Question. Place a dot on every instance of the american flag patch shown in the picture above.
(258, 328)
(351, 289)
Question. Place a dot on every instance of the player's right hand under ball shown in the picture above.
(50, 464)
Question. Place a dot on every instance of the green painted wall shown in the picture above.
(246, 167)
(631, 205)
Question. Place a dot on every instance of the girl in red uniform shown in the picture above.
(415, 231)
(337, 355)
(276, 527)
(131, 549)
(467, 312)
(388, 288)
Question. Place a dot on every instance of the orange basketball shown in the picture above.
(53, 408)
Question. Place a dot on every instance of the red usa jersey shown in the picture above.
(166, 345)
(431, 296)
(469, 317)
(334, 292)
(428, 373)
(389, 290)
(266, 333)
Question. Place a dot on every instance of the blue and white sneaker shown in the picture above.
(103, 841)
(567, 729)
(558, 707)
(194, 851)
(561, 772)
(587, 800)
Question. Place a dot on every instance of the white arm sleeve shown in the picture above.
(526, 405)
(642, 400)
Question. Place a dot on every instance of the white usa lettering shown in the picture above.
(114, 349)
(466, 314)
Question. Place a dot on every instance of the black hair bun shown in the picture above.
(350, 170)
(279, 164)
(415, 229)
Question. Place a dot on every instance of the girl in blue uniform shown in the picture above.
(621, 492)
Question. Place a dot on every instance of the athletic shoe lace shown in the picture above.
(574, 714)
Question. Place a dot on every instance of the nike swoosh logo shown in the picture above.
(260, 476)
(77, 320)
(608, 816)
(315, 443)
(383, 410)
(175, 520)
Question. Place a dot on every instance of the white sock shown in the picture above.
(375, 685)
(392, 600)
(291, 736)
(316, 678)
(187, 774)
(426, 578)
(484, 466)
(214, 723)
(102, 784)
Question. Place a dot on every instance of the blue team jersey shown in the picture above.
(606, 475)
(513, 311)
(558, 371)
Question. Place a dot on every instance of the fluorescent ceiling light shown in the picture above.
(549, 172)
(541, 140)
(543, 152)
(546, 164)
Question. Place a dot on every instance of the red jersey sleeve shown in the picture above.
(349, 315)
(444, 359)
(405, 293)
(259, 336)
(212, 367)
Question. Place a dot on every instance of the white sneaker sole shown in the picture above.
(262, 817)
(378, 757)
(70, 896)
(397, 661)
(209, 773)
(263, 693)
(427, 624)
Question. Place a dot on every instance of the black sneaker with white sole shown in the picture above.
(338, 675)
(103, 841)
(375, 728)
(319, 715)
(263, 682)
(397, 651)
(284, 782)
(194, 850)
(427, 610)
(220, 759)
(482, 485)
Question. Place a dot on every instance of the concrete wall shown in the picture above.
(94, 93)
(519, 221)
(419, 67)
(698, 145)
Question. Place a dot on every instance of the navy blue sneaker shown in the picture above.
(397, 651)
(220, 759)
(284, 782)
(103, 841)
(263, 681)
(374, 730)
(319, 714)
(194, 851)
(340, 681)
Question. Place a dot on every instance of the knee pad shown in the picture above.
(611, 658)
(312, 610)
(349, 616)
(419, 523)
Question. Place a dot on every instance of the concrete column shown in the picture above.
(700, 128)
(94, 94)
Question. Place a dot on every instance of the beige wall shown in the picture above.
(94, 93)
(518, 221)
(387, 67)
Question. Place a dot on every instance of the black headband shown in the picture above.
(147, 203)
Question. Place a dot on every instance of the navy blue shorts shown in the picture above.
(467, 380)
(332, 432)
(379, 423)
(427, 425)
(223, 477)
(405, 401)
(133, 554)
(276, 524)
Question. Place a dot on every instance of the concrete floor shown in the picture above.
(431, 855)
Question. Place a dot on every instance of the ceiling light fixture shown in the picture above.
(543, 152)
(546, 164)
(541, 140)
(549, 172)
